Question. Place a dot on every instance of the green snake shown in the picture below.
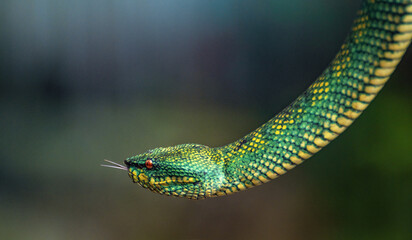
(380, 35)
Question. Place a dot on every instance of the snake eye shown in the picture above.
(149, 164)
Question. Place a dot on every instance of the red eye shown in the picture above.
(149, 164)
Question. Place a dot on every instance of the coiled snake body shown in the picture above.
(379, 38)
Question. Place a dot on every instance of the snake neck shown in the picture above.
(379, 38)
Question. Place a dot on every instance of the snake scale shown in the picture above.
(379, 37)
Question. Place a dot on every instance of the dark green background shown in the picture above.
(84, 80)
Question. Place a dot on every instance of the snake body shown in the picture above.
(380, 35)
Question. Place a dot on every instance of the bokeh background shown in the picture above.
(85, 80)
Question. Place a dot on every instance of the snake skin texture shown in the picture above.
(380, 35)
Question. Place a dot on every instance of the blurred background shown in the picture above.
(85, 80)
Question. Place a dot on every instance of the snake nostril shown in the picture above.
(127, 163)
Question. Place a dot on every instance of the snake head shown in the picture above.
(189, 170)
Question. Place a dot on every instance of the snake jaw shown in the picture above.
(179, 186)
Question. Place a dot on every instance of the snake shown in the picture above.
(376, 43)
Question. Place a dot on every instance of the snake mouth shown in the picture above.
(159, 182)
(173, 180)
